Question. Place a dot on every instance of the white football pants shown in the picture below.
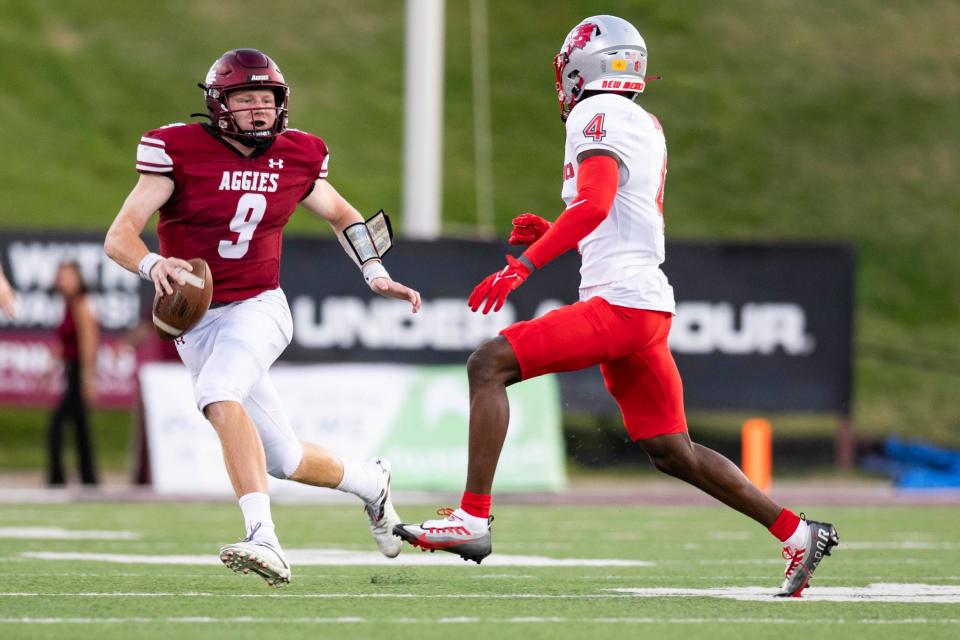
(229, 354)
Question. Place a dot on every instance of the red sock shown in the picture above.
(477, 504)
(785, 524)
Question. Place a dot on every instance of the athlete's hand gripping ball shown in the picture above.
(497, 286)
(167, 269)
(527, 228)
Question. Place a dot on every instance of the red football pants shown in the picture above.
(630, 345)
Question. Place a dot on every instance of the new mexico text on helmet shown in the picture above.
(602, 53)
(245, 69)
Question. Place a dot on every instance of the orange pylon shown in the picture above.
(757, 441)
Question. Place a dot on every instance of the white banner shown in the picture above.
(416, 416)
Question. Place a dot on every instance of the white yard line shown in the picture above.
(776, 561)
(59, 533)
(482, 576)
(873, 593)
(906, 545)
(317, 596)
(342, 557)
(476, 620)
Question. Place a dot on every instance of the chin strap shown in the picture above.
(253, 142)
(203, 88)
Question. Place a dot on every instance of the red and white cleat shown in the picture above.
(458, 533)
(803, 561)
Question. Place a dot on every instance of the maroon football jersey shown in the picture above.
(227, 208)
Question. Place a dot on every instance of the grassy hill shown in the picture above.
(815, 120)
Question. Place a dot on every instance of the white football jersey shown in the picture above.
(622, 256)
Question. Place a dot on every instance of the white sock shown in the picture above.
(362, 479)
(800, 538)
(257, 518)
(473, 522)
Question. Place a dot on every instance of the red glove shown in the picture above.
(527, 228)
(497, 286)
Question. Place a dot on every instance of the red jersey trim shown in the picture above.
(155, 164)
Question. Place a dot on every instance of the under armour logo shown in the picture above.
(180, 340)
(275, 164)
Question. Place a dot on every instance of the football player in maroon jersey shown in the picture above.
(224, 191)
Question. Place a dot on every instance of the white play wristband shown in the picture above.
(373, 270)
(147, 264)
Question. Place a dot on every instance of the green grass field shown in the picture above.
(818, 121)
(898, 550)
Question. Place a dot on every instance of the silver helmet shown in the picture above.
(602, 53)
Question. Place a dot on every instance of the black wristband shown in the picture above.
(527, 262)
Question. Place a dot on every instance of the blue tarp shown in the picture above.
(917, 465)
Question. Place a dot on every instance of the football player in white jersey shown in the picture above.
(614, 169)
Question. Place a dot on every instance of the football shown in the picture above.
(176, 313)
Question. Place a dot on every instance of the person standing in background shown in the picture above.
(77, 335)
(149, 348)
(8, 302)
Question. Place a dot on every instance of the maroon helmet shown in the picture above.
(245, 69)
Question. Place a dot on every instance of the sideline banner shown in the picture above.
(30, 261)
(416, 416)
(30, 377)
(759, 327)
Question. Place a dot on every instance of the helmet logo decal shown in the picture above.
(580, 36)
(577, 39)
(259, 77)
(597, 51)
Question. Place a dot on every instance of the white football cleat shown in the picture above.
(383, 517)
(266, 559)
(458, 533)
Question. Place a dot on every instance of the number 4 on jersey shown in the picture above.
(594, 128)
